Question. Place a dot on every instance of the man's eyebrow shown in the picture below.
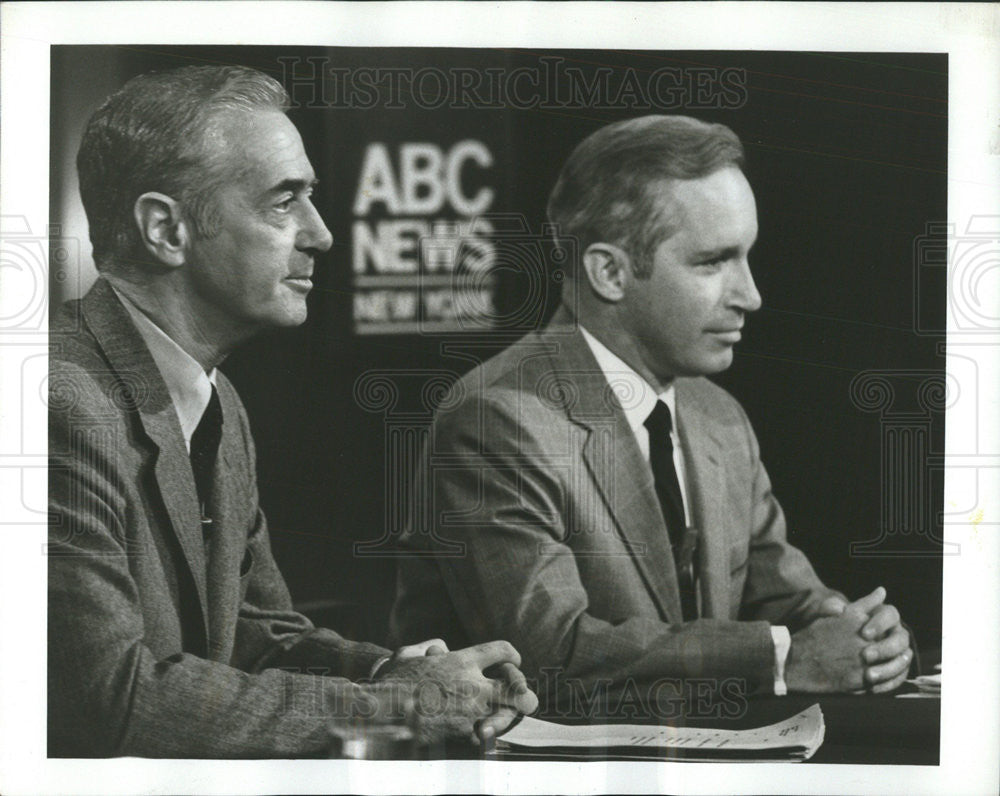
(725, 252)
(293, 185)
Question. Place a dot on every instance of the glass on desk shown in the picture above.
(364, 740)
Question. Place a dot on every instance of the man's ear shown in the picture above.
(164, 232)
(608, 270)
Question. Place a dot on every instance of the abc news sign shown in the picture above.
(421, 250)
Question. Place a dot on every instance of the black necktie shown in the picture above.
(204, 448)
(683, 542)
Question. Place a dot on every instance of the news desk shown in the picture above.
(859, 730)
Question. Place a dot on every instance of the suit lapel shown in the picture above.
(704, 476)
(614, 461)
(146, 392)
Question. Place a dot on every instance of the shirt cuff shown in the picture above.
(378, 665)
(782, 644)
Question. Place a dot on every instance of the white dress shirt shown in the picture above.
(637, 398)
(190, 387)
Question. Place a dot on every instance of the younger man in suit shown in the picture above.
(599, 502)
(171, 630)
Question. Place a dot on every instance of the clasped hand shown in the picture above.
(855, 647)
(474, 692)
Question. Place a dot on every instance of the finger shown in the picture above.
(883, 619)
(889, 670)
(411, 715)
(832, 606)
(437, 650)
(493, 652)
(419, 650)
(512, 678)
(494, 724)
(891, 685)
(892, 645)
(511, 689)
(869, 602)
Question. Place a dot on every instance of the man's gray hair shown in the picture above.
(151, 136)
(605, 192)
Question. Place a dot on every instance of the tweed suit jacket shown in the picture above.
(544, 528)
(165, 640)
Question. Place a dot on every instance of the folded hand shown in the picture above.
(473, 692)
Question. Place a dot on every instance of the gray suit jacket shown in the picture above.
(164, 641)
(544, 529)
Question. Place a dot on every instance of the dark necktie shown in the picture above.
(683, 541)
(204, 449)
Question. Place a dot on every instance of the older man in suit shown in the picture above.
(598, 501)
(171, 631)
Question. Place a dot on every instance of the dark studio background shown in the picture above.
(847, 156)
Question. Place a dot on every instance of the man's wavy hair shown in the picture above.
(151, 135)
(605, 192)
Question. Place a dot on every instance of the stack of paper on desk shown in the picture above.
(794, 739)
(928, 685)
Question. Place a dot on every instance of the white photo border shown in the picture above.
(969, 33)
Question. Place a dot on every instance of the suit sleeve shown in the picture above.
(108, 693)
(503, 499)
(269, 633)
(781, 587)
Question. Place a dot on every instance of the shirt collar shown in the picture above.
(189, 386)
(636, 396)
